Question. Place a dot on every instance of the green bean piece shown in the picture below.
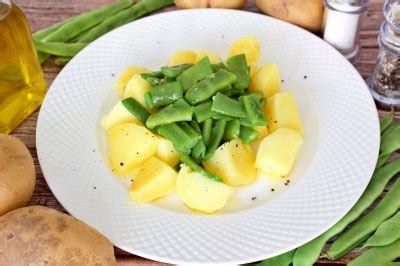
(203, 111)
(237, 65)
(248, 134)
(391, 142)
(174, 71)
(309, 252)
(41, 34)
(170, 115)
(382, 158)
(154, 74)
(62, 61)
(254, 111)
(206, 130)
(245, 122)
(134, 12)
(368, 223)
(199, 150)
(206, 88)
(135, 108)
(59, 48)
(216, 136)
(387, 232)
(177, 136)
(224, 105)
(228, 91)
(195, 73)
(192, 164)
(192, 133)
(165, 94)
(386, 121)
(378, 256)
(284, 259)
(388, 130)
(195, 126)
(232, 130)
(218, 66)
(181, 103)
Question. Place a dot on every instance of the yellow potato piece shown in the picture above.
(155, 179)
(182, 57)
(281, 111)
(233, 162)
(267, 80)
(249, 46)
(167, 152)
(213, 56)
(137, 88)
(201, 193)
(253, 71)
(278, 151)
(118, 115)
(129, 146)
(126, 76)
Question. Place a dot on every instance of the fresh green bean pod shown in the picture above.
(215, 138)
(135, 108)
(193, 134)
(232, 130)
(192, 164)
(154, 74)
(169, 115)
(309, 252)
(59, 48)
(195, 126)
(382, 158)
(206, 88)
(248, 134)
(224, 105)
(181, 103)
(386, 121)
(388, 130)
(218, 66)
(206, 130)
(203, 111)
(177, 136)
(284, 259)
(195, 73)
(199, 151)
(254, 110)
(238, 66)
(245, 122)
(368, 223)
(41, 34)
(387, 232)
(165, 94)
(391, 142)
(174, 71)
(378, 256)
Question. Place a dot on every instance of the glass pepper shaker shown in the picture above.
(384, 83)
(341, 25)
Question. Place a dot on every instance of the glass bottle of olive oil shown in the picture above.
(22, 85)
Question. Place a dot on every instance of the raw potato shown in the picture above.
(281, 111)
(137, 88)
(200, 192)
(304, 13)
(182, 57)
(233, 162)
(41, 236)
(210, 3)
(126, 76)
(17, 174)
(213, 56)
(155, 179)
(167, 152)
(267, 80)
(129, 146)
(249, 46)
(278, 151)
(118, 115)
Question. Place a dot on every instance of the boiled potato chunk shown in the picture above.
(200, 192)
(281, 111)
(233, 162)
(267, 80)
(249, 46)
(167, 152)
(155, 179)
(137, 88)
(182, 57)
(129, 146)
(118, 115)
(278, 151)
(253, 71)
(126, 76)
(213, 56)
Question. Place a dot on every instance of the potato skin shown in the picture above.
(191, 3)
(38, 235)
(234, 4)
(304, 13)
(210, 3)
(17, 174)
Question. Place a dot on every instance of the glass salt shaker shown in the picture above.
(341, 25)
(384, 83)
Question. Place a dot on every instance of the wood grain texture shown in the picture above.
(42, 13)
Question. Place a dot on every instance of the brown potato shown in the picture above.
(210, 3)
(17, 174)
(304, 13)
(38, 235)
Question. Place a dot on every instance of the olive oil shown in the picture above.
(22, 85)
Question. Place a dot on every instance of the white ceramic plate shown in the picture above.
(334, 166)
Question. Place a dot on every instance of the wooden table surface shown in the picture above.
(42, 13)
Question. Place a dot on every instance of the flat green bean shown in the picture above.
(41, 34)
(206, 130)
(59, 48)
(368, 223)
(382, 158)
(391, 142)
(135, 108)
(282, 260)
(224, 105)
(386, 121)
(174, 71)
(254, 110)
(192, 164)
(232, 130)
(308, 253)
(378, 255)
(215, 138)
(195, 125)
(165, 94)
(195, 73)
(387, 232)
(238, 66)
(193, 134)
(199, 150)
(169, 115)
(177, 136)
(388, 130)
(248, 134)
